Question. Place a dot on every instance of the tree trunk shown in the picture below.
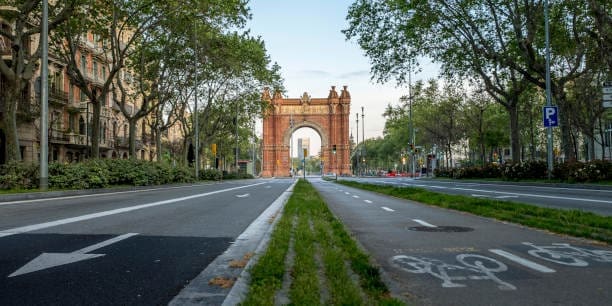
(514, 131)
(132, 138)
(158, 144)
(9, 122)
(95, 128)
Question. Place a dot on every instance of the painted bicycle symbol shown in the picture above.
(473, 267)
(566, 254)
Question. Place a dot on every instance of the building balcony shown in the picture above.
(91, 78)
(58, 96)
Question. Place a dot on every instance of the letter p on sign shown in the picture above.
(551, 116)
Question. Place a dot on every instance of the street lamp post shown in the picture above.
(44, 92)
(412, 136)
(357, 146)
(291, 144)
(195, 107)
(363, 139)
(236, 153)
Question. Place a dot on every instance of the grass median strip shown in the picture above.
(316, 234)
(571, 222)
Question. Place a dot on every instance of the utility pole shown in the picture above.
(549, 156)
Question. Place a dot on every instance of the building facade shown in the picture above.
(70, 112)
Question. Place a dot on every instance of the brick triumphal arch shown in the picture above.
(328, 116)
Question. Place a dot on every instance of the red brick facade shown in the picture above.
(328, 116)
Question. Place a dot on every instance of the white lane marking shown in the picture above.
(421, 222)
(356, 196)
(268, 187)
(438, 187)
(50, 260)
(479, 195)
(506, 197)
(91, 195)
(35, 227)
(346, 193)
(534, 195)
(242, 195)
(527, 263)
(368, 201)
(387, 208)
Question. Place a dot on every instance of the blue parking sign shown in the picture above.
(551, 114)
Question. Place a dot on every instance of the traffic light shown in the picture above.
(334, 149)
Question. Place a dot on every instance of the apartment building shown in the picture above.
(70, 113)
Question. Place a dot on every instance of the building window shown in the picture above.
(71, 123)
(81, 126)
(95, 70)
(608, 134)
(103, 132)
(83, 64)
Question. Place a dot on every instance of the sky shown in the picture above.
(305, 39)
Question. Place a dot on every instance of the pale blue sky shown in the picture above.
(304, 38)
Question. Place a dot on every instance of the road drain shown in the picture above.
(446, 229)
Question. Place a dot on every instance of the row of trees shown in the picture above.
(176, 51)
(495, 47)
(449, 119)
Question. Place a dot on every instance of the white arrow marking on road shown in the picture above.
(387, 208)
(523, 261)
(50, 260)
(421, 222)
(242, 195)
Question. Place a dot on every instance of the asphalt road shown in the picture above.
(434, 256)
(139, 247)
(596, 199)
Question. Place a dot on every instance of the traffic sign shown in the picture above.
(551, 116)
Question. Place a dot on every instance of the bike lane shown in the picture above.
(434, 256)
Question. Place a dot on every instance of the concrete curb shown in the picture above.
(253, 240)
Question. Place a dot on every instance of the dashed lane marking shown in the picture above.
(421, 222)
(387, 208)
(368, 201)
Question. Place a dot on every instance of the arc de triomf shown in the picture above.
(328, 116)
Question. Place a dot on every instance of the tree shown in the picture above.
(499, 41)
(23, 27)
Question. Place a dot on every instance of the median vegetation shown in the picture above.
(596, 171)
(311, 260)
(102, 173)
(571, 222)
